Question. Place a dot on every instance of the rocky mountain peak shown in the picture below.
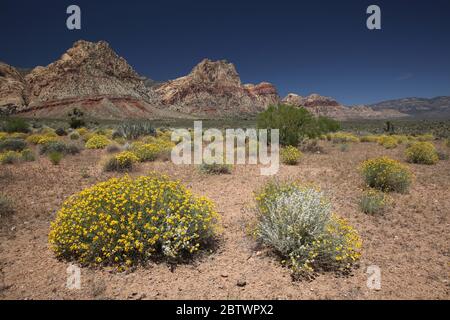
(216, 72)
(214, 88)
(85, 70)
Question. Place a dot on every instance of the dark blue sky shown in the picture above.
(302, 47)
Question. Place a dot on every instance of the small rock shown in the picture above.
(224, 275)
(241, 283)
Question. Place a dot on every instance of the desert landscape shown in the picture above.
(88, 181)
(408, 241)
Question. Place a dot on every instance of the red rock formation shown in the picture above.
(214, 88)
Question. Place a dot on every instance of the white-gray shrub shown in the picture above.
(294, 219)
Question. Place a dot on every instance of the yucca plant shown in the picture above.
(134, 130)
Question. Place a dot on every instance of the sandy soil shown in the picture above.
(410, 243)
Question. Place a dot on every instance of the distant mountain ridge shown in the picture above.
(329, 107)
(419, 107)
(92, 77)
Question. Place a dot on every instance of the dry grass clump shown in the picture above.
(6, 206)
(374, 201)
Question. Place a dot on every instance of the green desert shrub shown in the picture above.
(386, 174)
(148, 217)
(74, 135)
(422, 153)
(6, 206)
(121, 162)
(27, 155)
(16, 125)
(9, 157)
(295, 124)
(215, 168)
(297, 222)
(373, 201)
(290, 155)
(72, 149)
(55, 157)
(12, 145)
(53, 146)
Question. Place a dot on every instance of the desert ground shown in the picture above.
(410, 242)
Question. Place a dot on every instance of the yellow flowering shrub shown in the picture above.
(425, 137)
(47, 131)
(82, 131)
(97, 142)
(18, 135)
(296, 220)
(422, 153)
(121, 162)
(41, 139)
(145, 152)
(9, 157)
(149, 150)
(386, 174)
(124, 221)
(85, 134)
(389, 142)
(342, 137)
(290, 155)
(369, 138)
(3, 136)
(401, 138)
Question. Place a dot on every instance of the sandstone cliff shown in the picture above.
(214, 88)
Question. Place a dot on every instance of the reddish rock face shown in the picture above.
(13, 89)
(214, 88)
(85, 70)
